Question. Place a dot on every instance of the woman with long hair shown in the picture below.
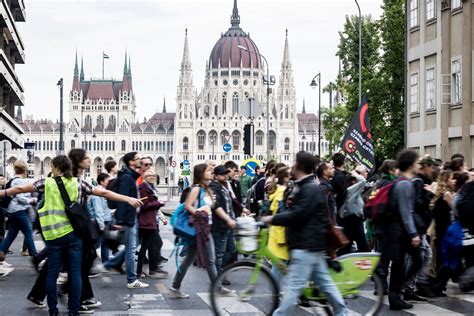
(199, 202)
(61, 241)
(442, 200)
(277, 235)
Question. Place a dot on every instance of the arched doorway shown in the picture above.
(46, 166)
(37, 170)
(98, 166)
(160, 169)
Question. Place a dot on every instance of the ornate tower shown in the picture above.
(185, 93)
(286, 89)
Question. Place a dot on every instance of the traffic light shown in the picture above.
(248, 139)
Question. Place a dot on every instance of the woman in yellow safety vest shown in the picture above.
(57, 230)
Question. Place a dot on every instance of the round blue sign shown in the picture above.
(250, 168)
(186, 162)
(227, 147)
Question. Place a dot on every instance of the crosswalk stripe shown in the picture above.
(237, 306)
(422, 309)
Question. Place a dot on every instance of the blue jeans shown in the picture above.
(19, 221)
(224, 245)
(127, 255)
(70, 248)
(305, 265)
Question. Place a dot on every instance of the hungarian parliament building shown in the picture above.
(102, 114)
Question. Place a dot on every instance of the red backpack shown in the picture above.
(378, 205)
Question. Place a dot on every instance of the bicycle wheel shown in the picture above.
(241, 297)
(369, 300)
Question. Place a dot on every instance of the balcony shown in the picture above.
(17, 8)
(7, 21)
(10, 130)
(9, 77)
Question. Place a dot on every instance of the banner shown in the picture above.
(357, 143)
(28, 153)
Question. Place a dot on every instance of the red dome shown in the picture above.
(226, 52)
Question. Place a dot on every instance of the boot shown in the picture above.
(396, 303)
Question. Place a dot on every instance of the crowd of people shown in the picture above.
(427, 199)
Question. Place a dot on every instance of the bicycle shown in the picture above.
(255, 291)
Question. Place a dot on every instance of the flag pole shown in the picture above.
(102, 65)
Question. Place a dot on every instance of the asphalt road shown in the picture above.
(118, 300)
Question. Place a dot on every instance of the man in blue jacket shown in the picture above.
(126, 216)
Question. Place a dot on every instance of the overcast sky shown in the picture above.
(153, 32)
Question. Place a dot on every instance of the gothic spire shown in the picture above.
(76, 68)
(304, 107)
(164, 104)
(286, 52)
(125, 68)
(82, 69)
(235, 18)
(186, 62)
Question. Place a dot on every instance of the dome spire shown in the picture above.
(235, 18)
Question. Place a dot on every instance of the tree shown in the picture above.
(382, 78)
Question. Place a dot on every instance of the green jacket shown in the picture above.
(245, 184)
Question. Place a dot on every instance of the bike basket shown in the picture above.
(247, 234)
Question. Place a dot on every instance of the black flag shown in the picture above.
(357, 143)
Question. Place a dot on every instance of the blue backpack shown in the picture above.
(180, 220)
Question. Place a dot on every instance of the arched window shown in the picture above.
(213, 137)
(185, 111)
(287, 143)
(206, 111)
(100, 121)
(286, 112)
(259, 138)
(201, 138)
(235, 103)
(224, 137)
(272, 140)
(185, 143)
(216, 111)
(236, 140)
(88, 122)
(224, 103)
(112, 121)
(123, 145)
(73, 144)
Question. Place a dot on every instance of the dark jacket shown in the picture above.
(326, 184)
(125, 213)
(308, 218)
(423, 198)
(149, 210)
(338, 183)
(218, 225)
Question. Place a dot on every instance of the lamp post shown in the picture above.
(166, 126)
(61, 132)
(268, 83)
(313, 85)
(360, 53)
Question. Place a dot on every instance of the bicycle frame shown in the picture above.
(357, 268)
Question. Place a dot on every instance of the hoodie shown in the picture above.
(127, 185)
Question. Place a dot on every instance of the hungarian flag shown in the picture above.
(105, 56)
(357, 143)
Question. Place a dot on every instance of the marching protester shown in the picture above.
(61, 240)
(112, 168)
(325, 173)
(308, 223)
(102, 217)
(245, 183)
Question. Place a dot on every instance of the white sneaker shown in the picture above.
(5, 264)
(223, 291)
(137, 285)
(177, 293)
(4, 271)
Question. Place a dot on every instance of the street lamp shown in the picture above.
(61, 132)
(166, 126)
(268, 81)
(360, 54)
(313, 85)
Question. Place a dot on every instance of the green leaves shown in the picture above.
(382, 78)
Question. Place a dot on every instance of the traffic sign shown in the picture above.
(186, 162)
(173, 163)
(250, 108)
(227, 147)
(250, 165)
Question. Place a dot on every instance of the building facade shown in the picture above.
(12, 52)
(102, 113)
(440, 87)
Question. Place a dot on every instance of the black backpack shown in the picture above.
(5, 201)
(112, 186)
(465, 207)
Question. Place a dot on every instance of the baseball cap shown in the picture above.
(220, 170)
(429, 161)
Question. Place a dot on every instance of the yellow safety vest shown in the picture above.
(53, 219)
